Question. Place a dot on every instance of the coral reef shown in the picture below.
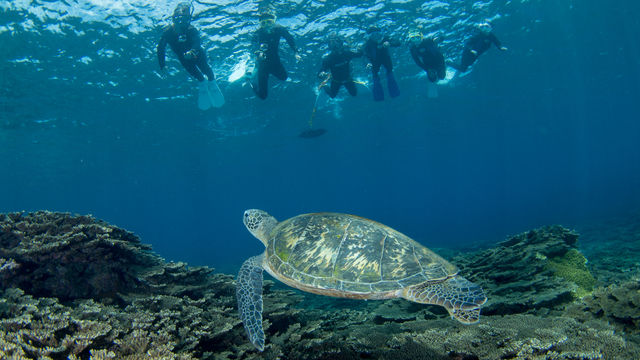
(613, 248)
(145, 308)
(537, 269)
(572, 266)
(617, 303)
(77, 287)
(71, 257)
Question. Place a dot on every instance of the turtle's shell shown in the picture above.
(348, 254)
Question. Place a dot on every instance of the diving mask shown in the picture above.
(182, 15)
(485, 27)
(414, 37)
(267, 20)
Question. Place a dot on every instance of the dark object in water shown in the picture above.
(312, 133)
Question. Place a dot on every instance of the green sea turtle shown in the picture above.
(351, 257)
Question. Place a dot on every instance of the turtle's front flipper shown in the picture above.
(249, 294)
(459, 296)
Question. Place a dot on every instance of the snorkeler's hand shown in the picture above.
(190, 55)
(503, 48)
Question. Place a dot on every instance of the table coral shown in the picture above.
(540, 268)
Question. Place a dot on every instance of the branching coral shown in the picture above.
(572, 266)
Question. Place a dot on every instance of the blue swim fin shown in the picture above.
(378, 93)
(394, 91)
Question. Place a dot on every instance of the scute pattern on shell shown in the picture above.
(350, 254)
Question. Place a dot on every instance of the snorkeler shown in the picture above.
(427, 55)
(477, 45)
(377, 51)
(337, 62)
(184, 40)
(266, 42)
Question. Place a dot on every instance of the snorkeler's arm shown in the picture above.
(162, 48)
(495, 41)
(289, 38)
(414, 54)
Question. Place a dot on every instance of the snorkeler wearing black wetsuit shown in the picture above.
(477, 45)
(428, 56)
(184, 40)
(377, 51)
(338, 63)
(266, 42)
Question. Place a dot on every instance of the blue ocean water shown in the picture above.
(545, 133)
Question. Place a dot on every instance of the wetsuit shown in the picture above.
(181, 44)
(338, 62)
(479, 43)
(266, 42)
(378, 54)
(427, 55)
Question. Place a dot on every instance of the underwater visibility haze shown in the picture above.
(544, 133)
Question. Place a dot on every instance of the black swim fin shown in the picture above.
(378, 93)
(394, 91)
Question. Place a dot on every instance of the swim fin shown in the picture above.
(378, 93)
(394, 91)
(215, 95)
(204, 100)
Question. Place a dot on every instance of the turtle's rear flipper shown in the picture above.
(249, 294)
(459, 296)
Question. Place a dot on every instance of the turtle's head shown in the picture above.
(259, 223)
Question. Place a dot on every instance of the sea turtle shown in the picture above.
(351, 257)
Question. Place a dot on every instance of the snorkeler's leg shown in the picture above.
(335, 87)
(204, 101)
(278, 70)
(263, 80)
(376, 88)
(442, 73)
(203, 65)
(392, 85)
(468, 58)
(351, 87)
(191, 68)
